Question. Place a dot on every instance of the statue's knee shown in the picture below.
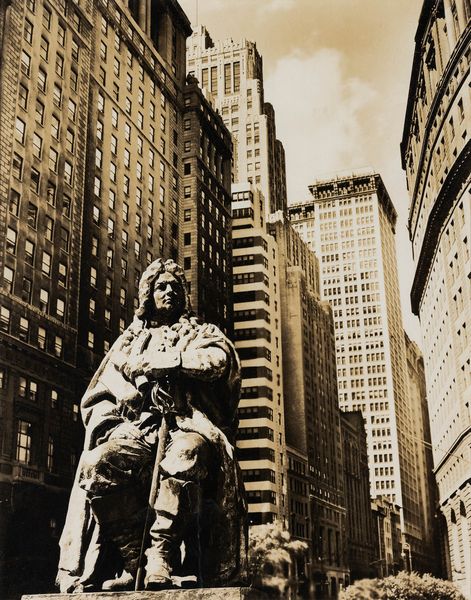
(187, 456)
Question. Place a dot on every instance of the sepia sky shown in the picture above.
(337, 74)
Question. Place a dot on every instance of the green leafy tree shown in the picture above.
(272, 554)
(403, 586)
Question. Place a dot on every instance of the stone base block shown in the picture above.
(228, 593)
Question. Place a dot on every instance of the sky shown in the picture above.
(337, 74)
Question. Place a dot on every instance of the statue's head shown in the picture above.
(163, 293)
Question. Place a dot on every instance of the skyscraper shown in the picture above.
(261, 445)
(206, 205)
(134, 152)
(350, 224)
(436, 154)
(46, 53)
(233, 73)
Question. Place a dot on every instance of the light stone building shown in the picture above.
(350, 224)
(261, 445)
(436, 155)
(233, 72)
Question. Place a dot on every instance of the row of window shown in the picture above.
(44, 340)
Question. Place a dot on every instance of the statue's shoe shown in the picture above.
(155, 583)
(123, 583)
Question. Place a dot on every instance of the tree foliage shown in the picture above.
(272, 553)
(403, 586)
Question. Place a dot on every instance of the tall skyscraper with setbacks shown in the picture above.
(233, 72)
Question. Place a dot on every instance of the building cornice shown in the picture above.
(455, 180)
(466, 432)
(439, 93)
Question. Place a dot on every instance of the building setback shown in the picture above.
(233, 73)
(311, 410)
(91, 127)
(206, 206)
(350, 224)
(436, 155)
(261, 446)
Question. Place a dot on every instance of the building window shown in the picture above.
(44, 49)
(28, 32)
(5, 319)
(42, 80)
(53, 159)
(61, 34)
(66, 206)
(63, 275)
(68, 173)
(24, 330)
(46, 263)
(27, 290)
(8, 278)
(50, 453)
(75, 50)
(57, 95)
(109, 258)
(58, 346)
(26, 63)
(64, 239)
(23, 96)
(47, 18)
(35, 181)
(29, 252)
(73, 79)
(42, 338)
(44, 300)
(91, 340)
(60, 308)
(51, 193)
(70, 141)
(37, 145)
(20, 130)
(32, 215)
(23, 442)
(93, 276)
(55, 126)
(49, 228)
(17, 166)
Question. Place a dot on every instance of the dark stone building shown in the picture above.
(360, 534)
(91, 129)
(206, 206)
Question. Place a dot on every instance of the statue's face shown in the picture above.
(169, 298)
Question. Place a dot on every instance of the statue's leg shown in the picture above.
(183, 471)
(116, 477)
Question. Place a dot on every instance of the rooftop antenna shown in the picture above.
(196, 3)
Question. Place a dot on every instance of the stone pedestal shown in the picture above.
(228, 593)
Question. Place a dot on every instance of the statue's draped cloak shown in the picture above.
(212, 393)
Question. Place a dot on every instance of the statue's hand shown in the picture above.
(130, 405)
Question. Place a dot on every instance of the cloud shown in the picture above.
(318, 116)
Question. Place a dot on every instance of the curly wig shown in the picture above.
(146, 287)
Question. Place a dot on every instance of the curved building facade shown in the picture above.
(436, 154)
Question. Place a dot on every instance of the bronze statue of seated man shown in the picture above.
(158, 487)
